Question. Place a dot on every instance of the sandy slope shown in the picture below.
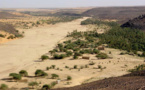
(20, 53)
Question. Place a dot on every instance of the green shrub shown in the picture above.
(66, 67)
(46, 87)
(61, 56)
(11, 37)
(15, 76)
(23, 73)
(75, 66)
(47, 68)
(53, 76)
(75, 57)
(53, 84)
(69, 53)
(44, 57)
(95, 51)
(32, 84)
(77, 54)
(3, 87)
(99, 66)
(53, 66)
(40, 73)
(102, 56)
(69, 78)
(1, 35)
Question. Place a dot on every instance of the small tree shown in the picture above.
(69, 78)
(53, 76)
(75, 66)
(23, 73)
(40, 73)
(15, 76)
(33, 84)
(46, 87)
(44, 57)
(102, 56)
(53, 66)
(3, 87)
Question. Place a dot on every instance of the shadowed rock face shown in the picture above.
(133, 81)
(137, 23)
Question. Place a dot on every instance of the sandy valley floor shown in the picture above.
(24, 54)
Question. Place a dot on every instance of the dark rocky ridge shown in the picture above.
(122, 14)
(137, 23)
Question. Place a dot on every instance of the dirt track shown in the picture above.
(21, 53)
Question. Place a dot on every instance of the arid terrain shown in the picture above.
(28, 40)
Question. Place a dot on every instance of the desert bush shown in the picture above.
(44, 57)
(15, 76)
(11, 37)
(75, 66)
(3, 87)
(53, 66)
(32, 84)
(53, 84)
(75, 57)
(69, 78)
(47, 68)
(66, 66)
(57, 56)
(102, 56)
(69, 53)
(77, 54)
(46, 87)
(99, 66)
(53, 76)
(40, 73)
(23, 73)
(122, 53)
(1, 35)
(95, 51)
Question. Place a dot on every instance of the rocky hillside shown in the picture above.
(122, 14)
(137, 23)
